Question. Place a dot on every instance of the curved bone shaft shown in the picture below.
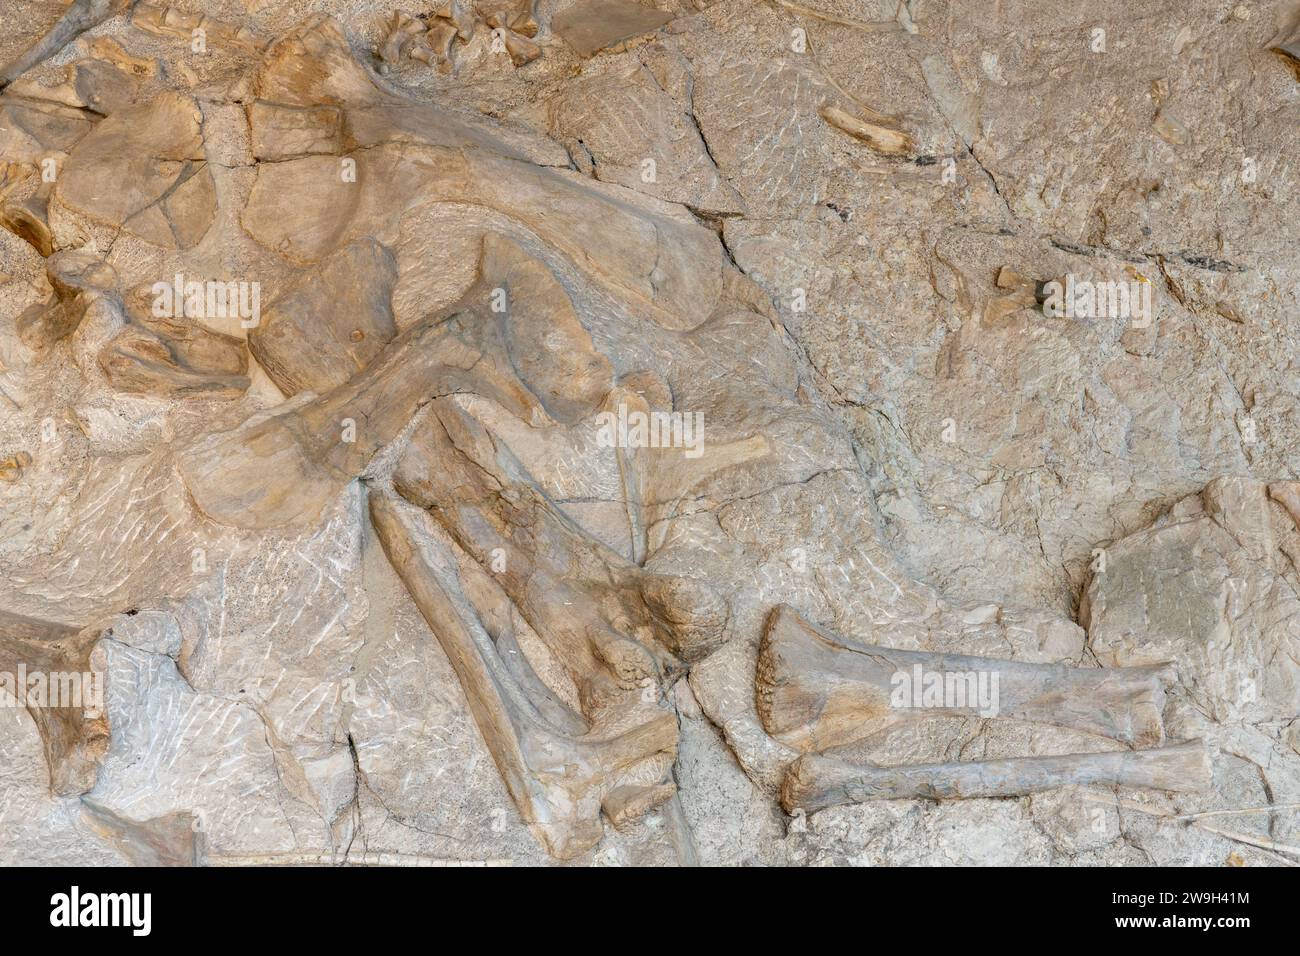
(557, 781)
(817, 690)
(75, 734)
(814, 782)
(76, 20)
(583, 599)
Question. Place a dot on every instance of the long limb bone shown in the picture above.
(816, 690)
(814, 782)
(558, 780)
(76, 20)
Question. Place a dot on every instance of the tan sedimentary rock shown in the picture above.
(382, 554)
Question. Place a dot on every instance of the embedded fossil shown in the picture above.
(817, 691)
(816, 782)
(520, 462)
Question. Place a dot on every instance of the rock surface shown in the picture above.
(543, 431)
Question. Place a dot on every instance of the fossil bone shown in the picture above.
(75, 737)
(816, 690)
(81, 16)
(881, 134)
(815, 782)
(558, 778)
(590, 26)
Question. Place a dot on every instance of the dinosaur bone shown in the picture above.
(558, 776)
(81, 16)
(816, 690)
(814, 782)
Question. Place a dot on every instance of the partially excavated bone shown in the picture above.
(77, 277)
(815, 782)
(75, 737)
(177, 23)
(590, 26)
(558, 775)
(331, 324)
(817, 691)
(80, 16)
(143, 169)
(880, 133)
(1287, 46)
(575, 394)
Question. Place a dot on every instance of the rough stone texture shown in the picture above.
(365, 577)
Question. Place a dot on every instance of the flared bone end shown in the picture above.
(788, 705)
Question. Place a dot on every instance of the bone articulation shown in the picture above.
(816, 690)
(815, 782)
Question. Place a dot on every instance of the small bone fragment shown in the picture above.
(400, 33)
(11, 468)
(110, 51)
(1287, 494)
(521, 49)
(461, 14)
(1169, 129)
(815, 782)
(29, 219)
(881, 137)
(816, 690)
